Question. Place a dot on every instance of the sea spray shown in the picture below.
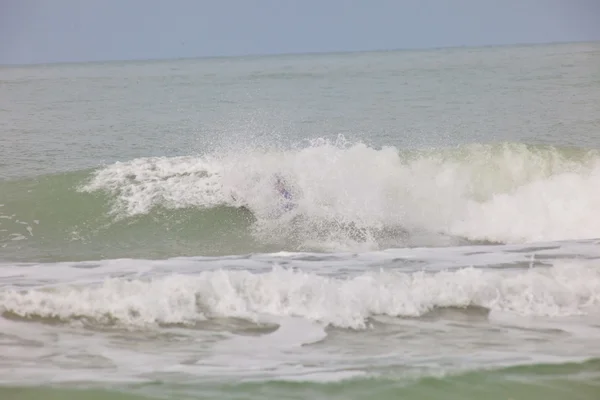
(507, 192)
(346, 197)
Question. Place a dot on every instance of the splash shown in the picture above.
(565, 289)
(349, 195)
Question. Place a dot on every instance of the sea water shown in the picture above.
(443, 244)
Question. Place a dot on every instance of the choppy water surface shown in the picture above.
(443, 240)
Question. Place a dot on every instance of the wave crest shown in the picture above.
(348, 193)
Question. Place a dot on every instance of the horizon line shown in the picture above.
(298, 53)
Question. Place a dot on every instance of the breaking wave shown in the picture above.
(347, 196)
(565, 289)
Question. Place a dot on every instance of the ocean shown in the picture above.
(443, 238)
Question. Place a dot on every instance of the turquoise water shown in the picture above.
(443, 242)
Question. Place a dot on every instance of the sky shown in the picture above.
(42, 31)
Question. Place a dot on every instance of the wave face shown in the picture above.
(566, 289)
(348, 196)
(302, 317)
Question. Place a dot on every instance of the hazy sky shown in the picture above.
(33, 31)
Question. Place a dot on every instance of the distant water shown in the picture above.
(444, 239)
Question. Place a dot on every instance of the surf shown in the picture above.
(347, 196)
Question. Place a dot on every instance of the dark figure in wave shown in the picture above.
(283, 191)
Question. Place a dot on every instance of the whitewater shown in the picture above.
(508, 193)
(444, 240)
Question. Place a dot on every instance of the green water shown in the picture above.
(442, 241)
(550, 382)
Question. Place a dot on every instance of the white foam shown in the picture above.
(16, 237)
(16, 229)
(562, 290)
(508, 193)
(291, 332)
(559, 207)
(175, 182)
